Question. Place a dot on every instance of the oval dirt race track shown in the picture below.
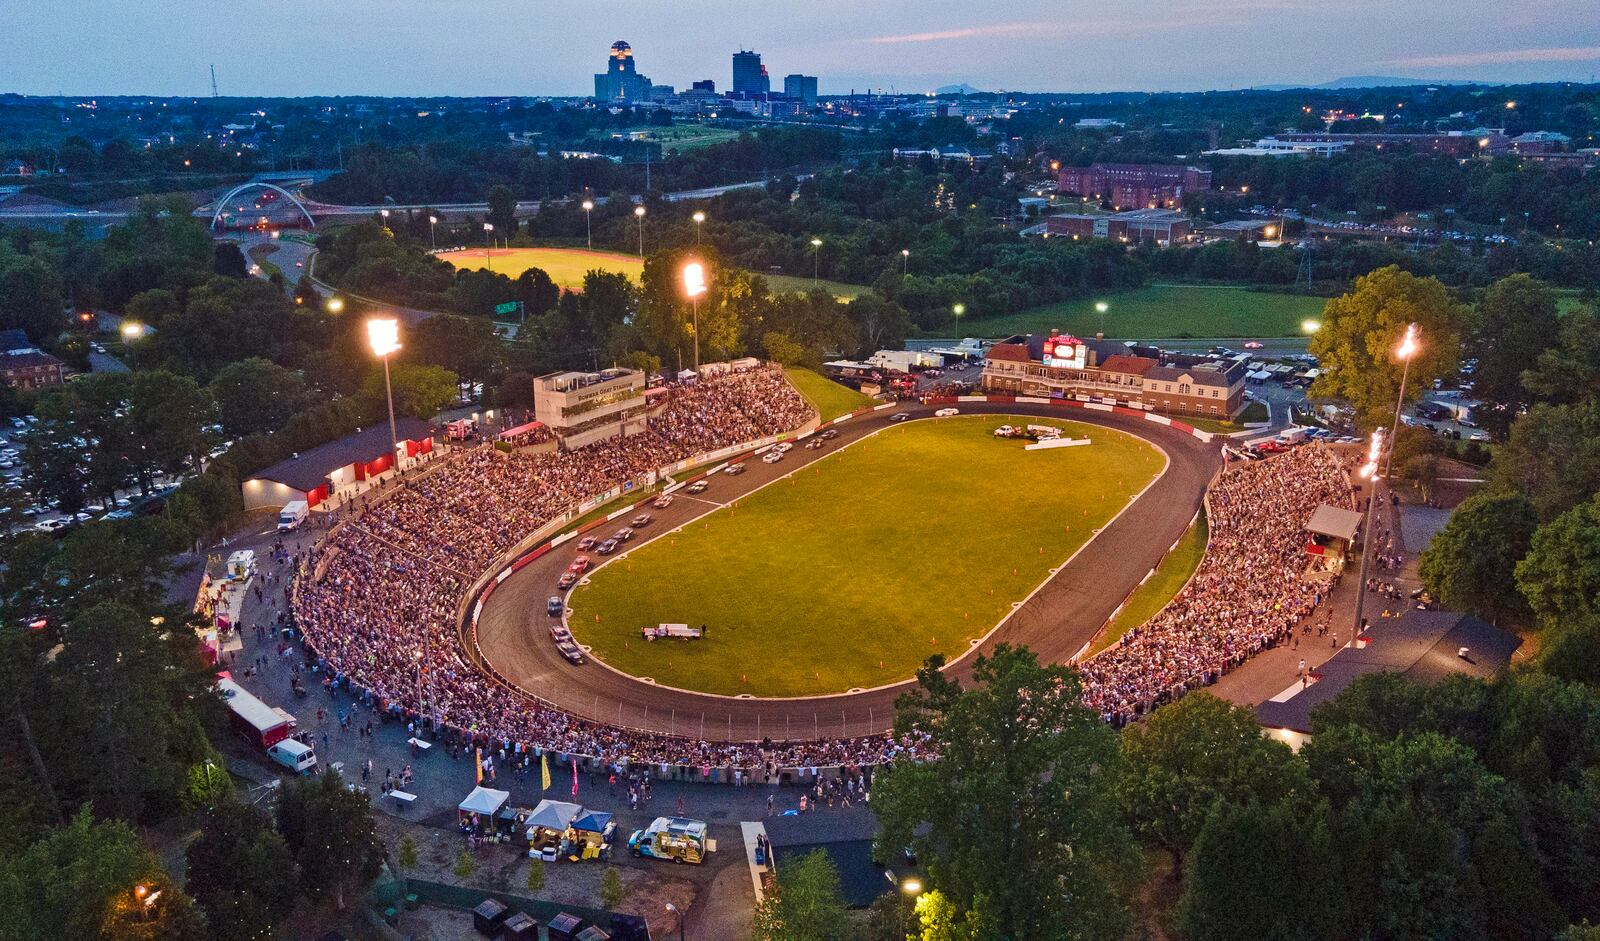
(1056, 621)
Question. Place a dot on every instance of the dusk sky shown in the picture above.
(500, 47)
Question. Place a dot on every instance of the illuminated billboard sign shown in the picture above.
(1066, 352)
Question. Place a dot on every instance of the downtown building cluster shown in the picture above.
(750, 91)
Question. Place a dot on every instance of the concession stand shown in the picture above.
(476, 814)
(1330, 538)
(563, 830)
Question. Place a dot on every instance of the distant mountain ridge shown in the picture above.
(1351, 82)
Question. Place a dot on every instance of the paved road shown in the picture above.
(1055, 622)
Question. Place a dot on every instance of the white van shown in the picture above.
(296, 756)
(292, 515)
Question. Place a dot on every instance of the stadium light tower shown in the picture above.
(488, 237)
(638, 213)
(1408, 349)
(694, 285)
(1369, 472)
(699, 220)
(1100, 307)
(905, 261)
(816, 260)
(433, 241)
(383, 333)
(588, 229)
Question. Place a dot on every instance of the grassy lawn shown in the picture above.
(565, 266)
(1163, 311)
(1148, 599)
(850, 573)
(789, 284)
(829, 398)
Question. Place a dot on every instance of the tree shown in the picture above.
(467, 346)
(1570, 370)
(1560, 576)
(1552, 458)
(883, 324)
(1026, 775)
(408, 852)
(502, 210)
(255, 396)
(419, 391)
(30, 299)
(331, 834)
(805, 905)
(1471, 564)
(1362, 329)
(465, 866)
(1516, 323)
(170, 414)
(229, 261)
(1191, 756)
(240, 872)
(611, 889)
(93, 880)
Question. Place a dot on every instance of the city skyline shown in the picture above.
(401, 47)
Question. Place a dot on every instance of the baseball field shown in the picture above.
(852, 571)
(565, 266)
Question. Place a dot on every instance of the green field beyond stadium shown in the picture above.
(1163, 311)
(565, 266)
(851, 572)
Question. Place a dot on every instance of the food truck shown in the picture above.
(676, 838)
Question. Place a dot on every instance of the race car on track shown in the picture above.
(567, 580)
(946, 412)
(643, 519)
(663, 501)
(587, 543)
(698, 486)
(554, 606)
(607, 547)
(579, 565)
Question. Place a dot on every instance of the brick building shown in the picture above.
(1060, 366)
(1134, 185)
(25, 366)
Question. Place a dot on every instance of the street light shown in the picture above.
(816, 259)
(699, 218)
(488, 253)
(905, 261)
(1369, 471)
(638, 213)
(694, 285)
(1310, 326)
(132, 330)
(383, 333)
(432, 241)
(588, 230)
(674, 909)
(335, 305)
(959, 310)
(911, 886)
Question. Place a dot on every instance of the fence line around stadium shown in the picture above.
(529, 549)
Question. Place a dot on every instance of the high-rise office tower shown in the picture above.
(802, 88)
(749, 75)
(620, 82)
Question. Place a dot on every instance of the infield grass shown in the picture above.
(565, 266)
(1164, 311)
(852, 571)
(829, 398)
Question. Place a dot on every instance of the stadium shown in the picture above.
(705, 614)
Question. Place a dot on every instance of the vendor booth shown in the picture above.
(563, 830)
(476, 814)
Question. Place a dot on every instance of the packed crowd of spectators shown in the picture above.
(1248, 593)
(377, 602)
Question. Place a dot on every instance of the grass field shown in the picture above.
(1164, 311)
(853, 571)
(789, 284)
(1148, 599)
(829, 398)
(566, 266)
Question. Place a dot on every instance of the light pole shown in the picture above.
(816, 260)
(699, 220)
(433, 241)
(385, 214)
(1408, 348)
(335, 305)
(674, 909)
(1370, 472)
(958, 310)
(383, 333)
(694, 285)
(905, 261)
(638, 213)
(1100, 307)
(588, 229)
(488, 238)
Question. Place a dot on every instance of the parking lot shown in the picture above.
(23, 510)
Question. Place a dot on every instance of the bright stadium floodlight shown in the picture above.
(383, 333)
(694, 285)
(588, 228)
(699, 220)
(638, 213)
(1310, 326)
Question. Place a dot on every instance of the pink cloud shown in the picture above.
(1502, 57)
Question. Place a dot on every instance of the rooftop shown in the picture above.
(307, 471)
